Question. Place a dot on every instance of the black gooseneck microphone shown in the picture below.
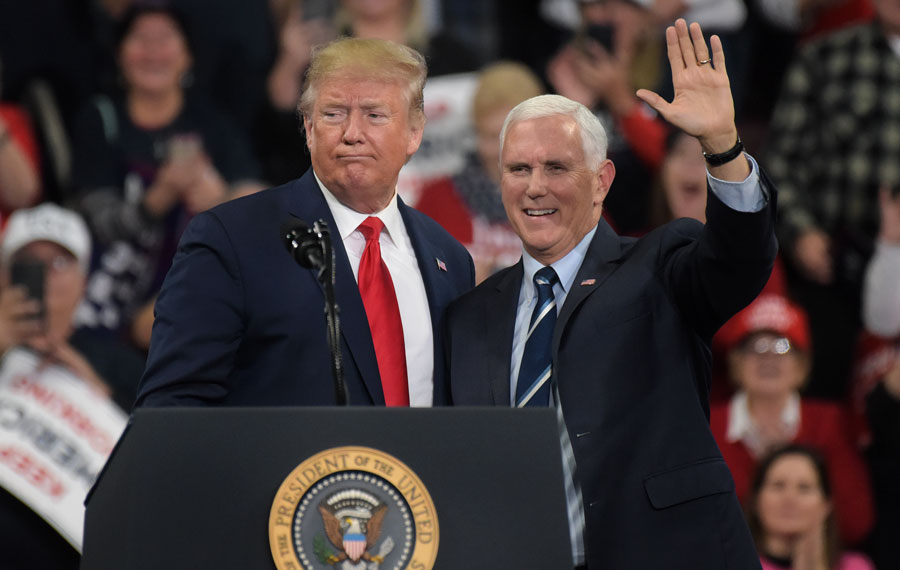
(311, 248)
(304, 244)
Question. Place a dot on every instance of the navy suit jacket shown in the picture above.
(239, 322)
(631, 359)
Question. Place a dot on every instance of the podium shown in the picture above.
(267, 488)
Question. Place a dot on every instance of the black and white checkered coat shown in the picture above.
(835, 138)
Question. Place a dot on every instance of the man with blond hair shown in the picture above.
(238, 322)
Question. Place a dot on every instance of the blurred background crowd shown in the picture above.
(133, 115)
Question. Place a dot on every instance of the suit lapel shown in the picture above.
(500, 307)
(308, 203)
(438, 286)
(598, 265)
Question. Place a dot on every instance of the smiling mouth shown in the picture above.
(538, 213)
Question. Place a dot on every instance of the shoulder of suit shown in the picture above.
(500, 276)
(678, 232)
(671, 235)
(488, 287)
(684, 226)
(256, 207)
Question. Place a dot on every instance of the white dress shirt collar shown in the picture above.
(741, 426)
(348, 220)
(566, 269)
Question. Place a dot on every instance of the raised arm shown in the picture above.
(703, 105)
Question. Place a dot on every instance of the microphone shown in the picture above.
(304, 244)
(312, 249)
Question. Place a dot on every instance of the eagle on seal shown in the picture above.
(353, 536)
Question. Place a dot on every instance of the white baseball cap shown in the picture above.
(47, 222)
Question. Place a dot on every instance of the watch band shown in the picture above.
(721, 158)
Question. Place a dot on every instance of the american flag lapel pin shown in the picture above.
(588, 282)
(441, 265)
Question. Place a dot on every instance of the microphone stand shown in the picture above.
(326, 277)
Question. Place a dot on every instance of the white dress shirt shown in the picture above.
(400, 258)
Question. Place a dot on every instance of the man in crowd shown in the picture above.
(614, 333)
(238, 322)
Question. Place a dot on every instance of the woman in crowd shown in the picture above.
(403, 21)
(791, 515)
(146, 161)
(615, 51)
(681, 185)
(768, 349)
(278, 137)
(468, 204)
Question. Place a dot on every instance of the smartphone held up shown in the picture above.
(30, 273)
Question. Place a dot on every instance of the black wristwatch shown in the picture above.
(721, 158)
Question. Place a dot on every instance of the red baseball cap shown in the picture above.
(767, 313)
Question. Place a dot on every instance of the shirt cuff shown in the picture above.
(744, 196)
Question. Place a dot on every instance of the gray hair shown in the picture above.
(593, 135)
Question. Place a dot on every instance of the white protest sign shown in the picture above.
(55, 435)
(448, 134)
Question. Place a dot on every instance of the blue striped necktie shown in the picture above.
(533, 384)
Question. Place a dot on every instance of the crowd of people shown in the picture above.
(128, 118)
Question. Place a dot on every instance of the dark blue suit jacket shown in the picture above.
(238, 322)
(631, 357)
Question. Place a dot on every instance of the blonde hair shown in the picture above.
(503, 85)
(415, 33)
(375, 59)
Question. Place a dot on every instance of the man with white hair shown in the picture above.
(614, 333)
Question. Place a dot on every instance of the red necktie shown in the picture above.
(380, 300)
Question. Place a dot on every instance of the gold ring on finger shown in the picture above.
(704, 62)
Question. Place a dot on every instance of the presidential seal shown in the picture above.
(353, 508)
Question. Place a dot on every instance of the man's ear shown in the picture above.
(605, 174)
(418, 129)
(307, 128)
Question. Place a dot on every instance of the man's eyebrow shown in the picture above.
(555, 162)
(370, 105)
(514, 164)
